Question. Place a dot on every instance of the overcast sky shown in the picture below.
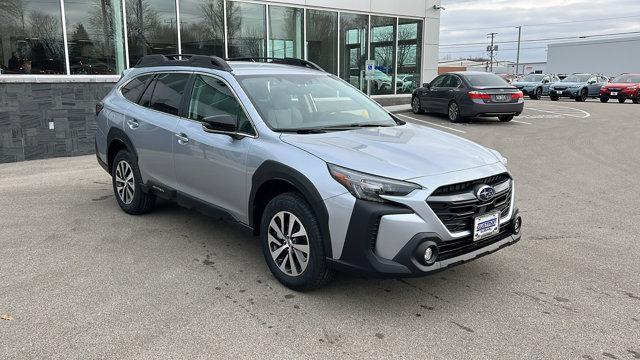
(468, 21)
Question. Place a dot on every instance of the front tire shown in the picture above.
(537, 94)
(621, 101)
(128, 187)
(635, 101)
(505, 118)
(604, 99)
(582, 96)
(454, 112)
(554, 98)
(292, 243)
(416, 106)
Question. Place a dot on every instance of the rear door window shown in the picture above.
(167, 92)
(134, 88)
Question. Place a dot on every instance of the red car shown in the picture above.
(625, 86)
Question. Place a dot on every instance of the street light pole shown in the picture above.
(518, 55)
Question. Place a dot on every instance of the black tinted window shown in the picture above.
(212, 97)
(452, 82)
(485, 80)
(438, 81)
(167, 92)
(134, 88)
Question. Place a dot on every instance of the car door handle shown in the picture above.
(133, 123)
(182, 138)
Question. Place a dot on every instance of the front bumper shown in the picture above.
(622, 94)
(388, 239)
(570, 93)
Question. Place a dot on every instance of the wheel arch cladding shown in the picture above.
(117, 140)
(273, 178)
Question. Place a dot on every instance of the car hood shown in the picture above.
(569, 84)
(399, 152)
(620, 85)
(525, 83)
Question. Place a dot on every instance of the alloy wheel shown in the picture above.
(288, 243)
(125, 182)
(415, 105)
(453, 111)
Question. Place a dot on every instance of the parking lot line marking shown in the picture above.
(521, 122)
(434, 124)
(586, 114)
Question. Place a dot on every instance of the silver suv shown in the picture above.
(326, 177)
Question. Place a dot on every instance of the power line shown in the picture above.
(484, 50)
(545, 39)
(544, 24)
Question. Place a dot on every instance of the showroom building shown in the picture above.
(59, 57)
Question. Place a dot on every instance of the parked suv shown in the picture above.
(535, 85)
(326, 177)
(578, 87)
(623, 87)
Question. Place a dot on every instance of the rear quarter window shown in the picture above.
(168, 91)
(134, 88)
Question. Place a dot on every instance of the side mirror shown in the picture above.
(222, 123)
(591, 82)
(426, 85)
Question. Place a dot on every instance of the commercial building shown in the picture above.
(59, 57)
(607, 56)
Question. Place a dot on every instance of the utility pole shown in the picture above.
(491, 50)
(518, 54)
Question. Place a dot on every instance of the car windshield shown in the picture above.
(485, 80)
(295, 102)
(627, 79)
(577, 78)
(532, 78)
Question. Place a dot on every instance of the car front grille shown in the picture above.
(613, 89)
(456, 205)
(560, 88)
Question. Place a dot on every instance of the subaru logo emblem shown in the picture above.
(485, 192)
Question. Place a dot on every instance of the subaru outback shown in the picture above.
(327, 178)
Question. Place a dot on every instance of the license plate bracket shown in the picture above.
(486, 225)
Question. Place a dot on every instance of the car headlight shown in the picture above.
(499, 156)
(632, 88)
(370, 187)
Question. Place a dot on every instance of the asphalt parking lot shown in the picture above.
(80, 279)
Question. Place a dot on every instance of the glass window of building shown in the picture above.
(202, 27)
(95, 37)
(353, 52)
(383, 40)
(322, 39)
(151, 28)
(285, 32)
(31, 40)
(246, 29)
(409, 54)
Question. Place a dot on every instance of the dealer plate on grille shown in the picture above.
(486, 225)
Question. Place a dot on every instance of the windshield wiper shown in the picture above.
(356, 125)
(302, 131)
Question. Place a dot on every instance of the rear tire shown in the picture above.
(453, 112)
(604, 99)
(554, 98)
(582, 96)
(505, 118)
(128, 186)
(287, 215)
(416, 106)
(621, 101)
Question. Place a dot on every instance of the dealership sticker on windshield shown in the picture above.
(486, 225)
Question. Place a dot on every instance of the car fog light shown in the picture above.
(517, 225)
(428, 254)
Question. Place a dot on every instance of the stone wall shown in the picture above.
(43, 120)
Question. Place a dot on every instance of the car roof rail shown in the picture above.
(285, 61)
(205, 61)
